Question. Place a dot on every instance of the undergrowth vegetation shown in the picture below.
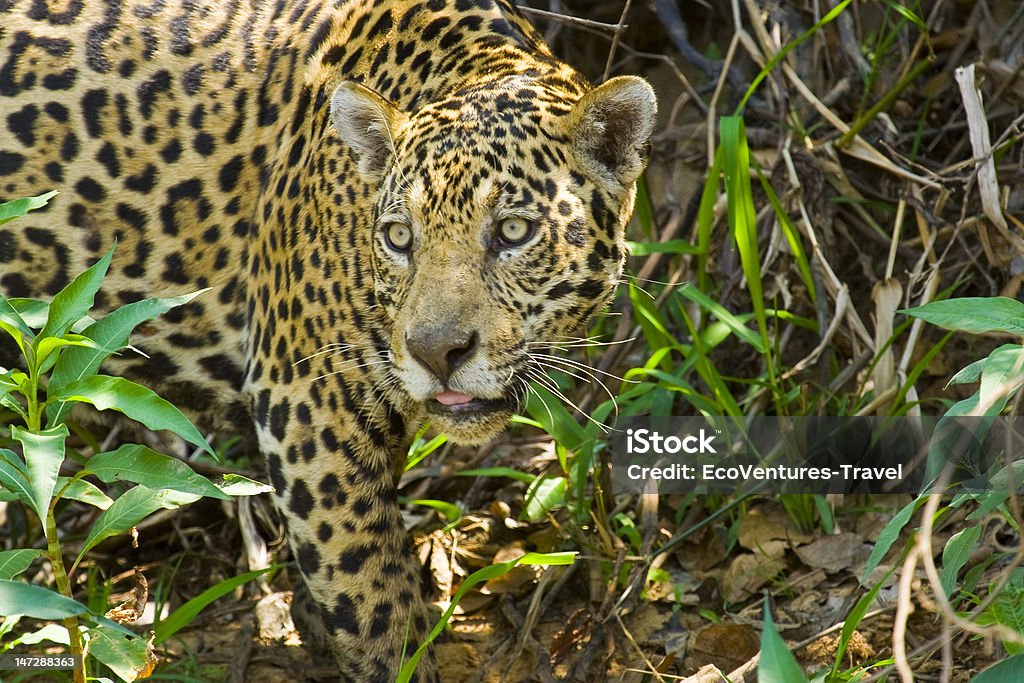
(854, 249)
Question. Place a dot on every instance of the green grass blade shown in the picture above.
(183, 616)
(479, 576)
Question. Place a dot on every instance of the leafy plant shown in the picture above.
(63, 349)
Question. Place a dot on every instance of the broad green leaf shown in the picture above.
(955, 555)
(48, 345)
(12, 322)
(141, 465)
(37, 602)
(84, 492)
(1007, 671)
(111, 332)
(888, 536)
(32, 311)
(55, 633)
(14, 562)
(127, 656)
(968, 374)
(237, 485)
(14, 478)
(135, 401)
(44, 453)
(545, 494)
(19, 207)
(976, 315)
(777, 664)
(70, 304)
(183, 616)
(479, 576)
(131, 508)
(1002, 374)
(952, 440)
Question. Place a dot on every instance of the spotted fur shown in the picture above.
(391, 201)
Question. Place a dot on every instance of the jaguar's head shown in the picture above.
(499, 228)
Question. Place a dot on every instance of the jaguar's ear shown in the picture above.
(611, 125)
(368, 124)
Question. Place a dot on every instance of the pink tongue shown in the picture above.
(452, 398)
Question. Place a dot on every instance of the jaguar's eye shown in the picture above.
(398, 236)
(515, 231)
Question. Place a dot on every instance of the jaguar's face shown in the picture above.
(497, 231)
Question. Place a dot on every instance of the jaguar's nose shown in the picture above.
(441, 350)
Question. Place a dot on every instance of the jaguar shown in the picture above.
(392, 203)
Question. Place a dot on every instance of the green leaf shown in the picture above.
(14, 562)
(37, 602)
(127, 656)
(976, 315)
(19, 207)
(32, 311)
(542, 406)
(524, 477)
(12, 323)
(545, 494)
(84, 492)
(968, 374)
(55, 633)
(131, 508)
(716, 309)
(955, 555)
(237, 485)
(777, 664)
(1007, 671)
(1002, 374)
(743, 216)
(667, 247)
(111, 332)
(47, 345)
(889, 534)
(135, 401)
(183, 616)
(70, 304)
(44, 453)
(854, 618)
(450, 511)
(141, 465)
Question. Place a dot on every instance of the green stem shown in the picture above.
(64, 586)
(882, 104)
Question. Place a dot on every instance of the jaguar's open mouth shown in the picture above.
(456, 405)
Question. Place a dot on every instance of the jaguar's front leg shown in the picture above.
(333, 471)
